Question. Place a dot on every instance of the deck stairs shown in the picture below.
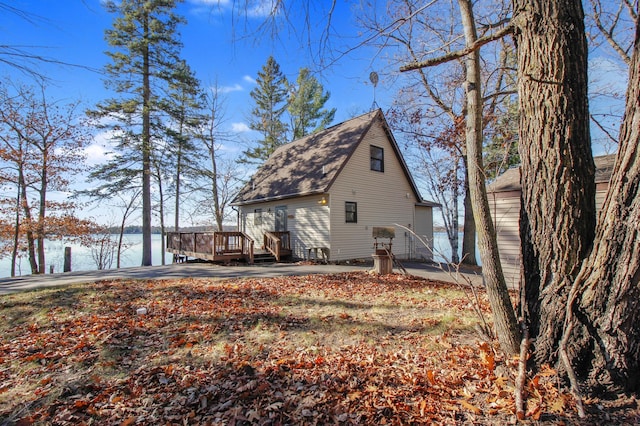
(263, 256)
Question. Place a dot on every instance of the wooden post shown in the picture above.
(67, 259)
(382, 264)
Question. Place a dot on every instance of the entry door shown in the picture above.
(281, 218)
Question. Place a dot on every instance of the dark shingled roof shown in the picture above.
(310, 165)
(510, 180)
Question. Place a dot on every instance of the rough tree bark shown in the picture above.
(146, 147)
(504, 318)
(469, 234)
(605, 345)
(557, 219)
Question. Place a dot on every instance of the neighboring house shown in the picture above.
(504, 200)
(330, 189)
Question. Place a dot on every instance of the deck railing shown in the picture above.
(278, 243)
(216, 246)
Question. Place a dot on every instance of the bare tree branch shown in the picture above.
(604, 130)
(608, 33)
(459, 53)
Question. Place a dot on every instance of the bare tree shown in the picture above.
(42, 149)
(218, 176)
(503, 313)
(431, 110)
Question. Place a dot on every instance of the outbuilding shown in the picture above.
(504, 200)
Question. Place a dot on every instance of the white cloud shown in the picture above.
(97, 154)
(240, 127)
(249, 79)
(252, 8)
(263, 8)
(228, 89)
(211, 2)
(101, 150)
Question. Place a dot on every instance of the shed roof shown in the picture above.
(310, 165)
(510, 180)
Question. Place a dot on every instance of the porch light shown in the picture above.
(323, 201)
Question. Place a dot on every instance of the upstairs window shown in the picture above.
(351, 212)
(377, 158)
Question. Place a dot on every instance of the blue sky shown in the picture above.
(218, 49)
(222, 47)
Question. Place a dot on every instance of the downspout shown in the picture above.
(237, 218)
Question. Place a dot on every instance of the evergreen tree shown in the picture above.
(144, 50)
(183, 107)
(266, 117)
(306, 106)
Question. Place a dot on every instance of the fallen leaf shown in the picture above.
(129, 421)
(470, 407)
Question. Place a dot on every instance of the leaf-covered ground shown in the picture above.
(332, 349)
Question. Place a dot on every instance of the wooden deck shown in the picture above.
(215, 246)
(226, 246)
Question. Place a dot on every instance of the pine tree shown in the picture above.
(144, 46)
(306, 106)
(183, 107)
(266, 117)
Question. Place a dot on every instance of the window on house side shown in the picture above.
(377, 158)
(257, 217)
(351, 212)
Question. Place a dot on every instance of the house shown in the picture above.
(330, 189)
(504, 200)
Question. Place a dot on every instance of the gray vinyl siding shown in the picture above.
(423, 227)
(383, 198)
(505, 210)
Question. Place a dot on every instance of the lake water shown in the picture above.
(81, 259)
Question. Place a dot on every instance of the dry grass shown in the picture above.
(340, 349)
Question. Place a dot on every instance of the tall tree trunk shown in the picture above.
(163, 249)
(176, 223)
(16, 232)
(557, 218)
(606, 344)
(31, 248)
(146, 152)
(42, 210)
(216, 196)
(453, 230)
(504, 317)
(469, 230)
(120, 241)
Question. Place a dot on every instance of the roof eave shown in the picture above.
(277, 198)
(427, 203)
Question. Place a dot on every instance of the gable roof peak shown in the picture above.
(310, 165)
